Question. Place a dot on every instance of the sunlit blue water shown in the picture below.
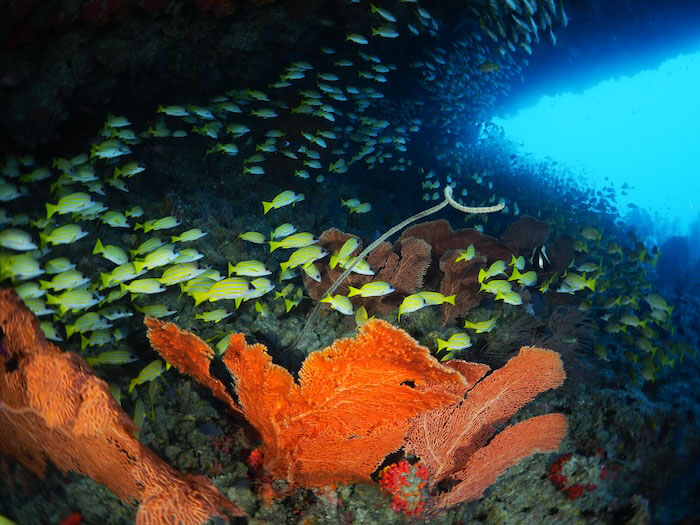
(642, 130)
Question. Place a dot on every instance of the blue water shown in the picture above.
(637, 131)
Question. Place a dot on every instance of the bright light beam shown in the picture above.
(643, 130)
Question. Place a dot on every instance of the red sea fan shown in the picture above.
(453, 442)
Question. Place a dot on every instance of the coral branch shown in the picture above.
(189, 354)
(516, 442)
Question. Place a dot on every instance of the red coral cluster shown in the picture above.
(575, 475)
(408, 486)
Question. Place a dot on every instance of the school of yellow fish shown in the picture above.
(341, 123)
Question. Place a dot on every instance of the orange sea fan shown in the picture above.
(349, 410)
(54, 408)
(452, 441)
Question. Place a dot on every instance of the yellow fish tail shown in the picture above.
(199, 297)
(334, 261)
(50, 210)
(99, 248)
(590, 283)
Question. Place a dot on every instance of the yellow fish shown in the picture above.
(150, 372)
(371, 289)
(285, 198)
(481, 326)
(466, 255)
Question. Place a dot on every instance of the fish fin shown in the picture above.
(50, 210)
(199, 297)
(99, 248)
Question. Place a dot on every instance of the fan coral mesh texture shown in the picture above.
(452, 441)
(351, 407)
